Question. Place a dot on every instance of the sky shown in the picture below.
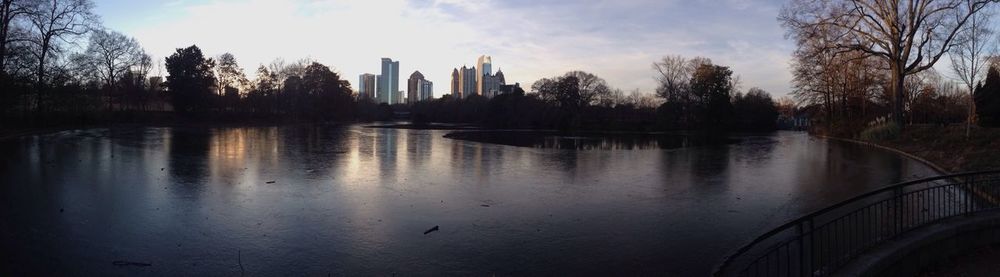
(617, 40)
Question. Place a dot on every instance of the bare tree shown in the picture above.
(111, 54)
(674, 72)
(842, 83)
(10, 10)
(911, 35)
(229, 73)
(969, 57)
(593, 89)
(55, 21)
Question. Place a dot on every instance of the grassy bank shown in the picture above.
(948, 147)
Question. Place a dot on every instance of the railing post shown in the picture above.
(969, 190)
(897, 214)
(805, 267)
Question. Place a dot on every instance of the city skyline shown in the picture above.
(545, 42)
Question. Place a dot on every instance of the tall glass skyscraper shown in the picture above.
(366, 86)
(388, 86)
(485, 68)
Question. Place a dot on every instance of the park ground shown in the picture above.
(949, 147)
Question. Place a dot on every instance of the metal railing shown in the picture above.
(820, 243)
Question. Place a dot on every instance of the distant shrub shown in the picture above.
(881, 132)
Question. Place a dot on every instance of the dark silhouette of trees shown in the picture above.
(988, 99)
(328, 96)
(699, 95)
(263, 92)
(574, 89)
(53, 21)
(191, 80)
(111, 55)
(230, 81)
(681, 107)
(909, 36)
(755, 111)
(712, 87)
(10, 10)
(572, 93)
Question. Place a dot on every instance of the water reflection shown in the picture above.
(348, 200)
(189, 149)
(591, 141)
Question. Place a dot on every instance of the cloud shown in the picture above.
(528, 39)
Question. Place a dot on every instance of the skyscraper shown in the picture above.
(426, 90)
(492, 83)
(456, 83)
(388, 90)
(485, 65)
(468, 80)
(366, 86)
(413, 86)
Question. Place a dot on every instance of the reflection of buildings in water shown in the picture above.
(475, 159)
(360, 162)
(418, 149)
(386, 150)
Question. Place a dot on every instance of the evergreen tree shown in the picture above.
(988, 99)
(191, 80)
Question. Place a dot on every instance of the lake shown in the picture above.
(351, 200)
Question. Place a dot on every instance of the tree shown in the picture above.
(54, 21)
(191, 80)
(229, 73)
(587, 90)
(969, 57)
(10, 10)
(330, 96)
(712, 87)
(674, 77)
(111, 54)
(264, 88)
(674, 74)
(910, 35)
(988, 99)
(755, 111)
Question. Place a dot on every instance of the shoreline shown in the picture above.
(944, 148)
(16, 133)
(940, 170)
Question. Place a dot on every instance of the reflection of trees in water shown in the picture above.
(589, 141)
(188, 152)
(755, 149)
(313, 149)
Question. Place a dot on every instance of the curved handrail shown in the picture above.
(727, 261)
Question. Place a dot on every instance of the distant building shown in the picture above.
(467, 77)
(426, 91)
(456, 83)
(388, 83)
(418, 89)
(492, 83)
(479, 80)
(366, 86)
(485, 66)
(516, 87)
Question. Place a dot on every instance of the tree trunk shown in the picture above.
(972, 112)
(41, 76)
(897, 94)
